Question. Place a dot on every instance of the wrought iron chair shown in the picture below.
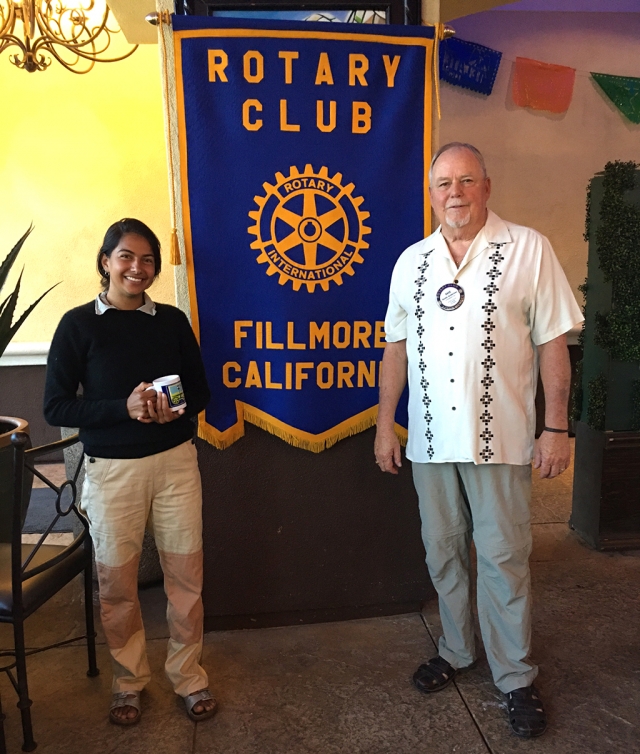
(32, 574)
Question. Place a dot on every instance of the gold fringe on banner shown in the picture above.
(221, 440)
(296, 437)
(291, 435)
(305, 440)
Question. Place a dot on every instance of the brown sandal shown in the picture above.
(527, 717)
(434, 675)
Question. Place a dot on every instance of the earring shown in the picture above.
(106, 273)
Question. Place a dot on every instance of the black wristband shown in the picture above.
(559, 431)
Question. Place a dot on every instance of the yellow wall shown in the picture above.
(78, 153)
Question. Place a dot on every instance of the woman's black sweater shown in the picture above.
(109, 355)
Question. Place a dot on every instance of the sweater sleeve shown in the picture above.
(65, 370)
(194, 379)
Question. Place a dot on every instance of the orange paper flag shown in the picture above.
(542, 86)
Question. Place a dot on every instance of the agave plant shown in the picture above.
(8, 327)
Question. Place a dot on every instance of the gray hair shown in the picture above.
(458, 145)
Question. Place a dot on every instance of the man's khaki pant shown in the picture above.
(490, 503)
(120, 498)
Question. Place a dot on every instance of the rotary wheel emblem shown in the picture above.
(309, 228)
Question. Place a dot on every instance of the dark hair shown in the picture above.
(114, 235)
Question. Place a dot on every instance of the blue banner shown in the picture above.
(304, 150)
(469, 65)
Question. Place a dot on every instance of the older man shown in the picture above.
(473, 310)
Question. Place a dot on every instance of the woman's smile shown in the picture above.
(131, 270)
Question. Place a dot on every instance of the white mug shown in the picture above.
(171, 386)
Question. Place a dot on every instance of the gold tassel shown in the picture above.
(174, 257)
(164, 18)
(438, 36)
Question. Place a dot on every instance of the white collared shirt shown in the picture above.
(102, 305)
(473, 371)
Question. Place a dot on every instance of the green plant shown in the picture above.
(618, 330)
(577, 393)
(8, 327)
(597, 402)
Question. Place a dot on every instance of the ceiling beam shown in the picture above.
(130, 17)
(451, 9)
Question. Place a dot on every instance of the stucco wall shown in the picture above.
(78, 153)
(540, 163)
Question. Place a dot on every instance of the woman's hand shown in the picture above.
(139, 400)
(160, 412)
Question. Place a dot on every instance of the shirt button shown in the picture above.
(452, 380)
(453, 408)
(451, 328)
(450, 353)
(455, 281)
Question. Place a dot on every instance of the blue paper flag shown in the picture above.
(469, 65)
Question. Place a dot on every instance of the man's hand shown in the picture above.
(392, 382)
(552, 451)
(387, 450)
(138, 402)
(160, 412)
(552, 454)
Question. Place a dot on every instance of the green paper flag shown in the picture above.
(623, 91)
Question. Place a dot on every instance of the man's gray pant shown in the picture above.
(490, 503)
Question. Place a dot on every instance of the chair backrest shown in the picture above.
(24, 458)
(7, 425)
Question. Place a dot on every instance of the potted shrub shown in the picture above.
(8, 424)
(606, 407)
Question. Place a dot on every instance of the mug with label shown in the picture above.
(171, 386)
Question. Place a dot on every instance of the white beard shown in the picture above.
(458, 223)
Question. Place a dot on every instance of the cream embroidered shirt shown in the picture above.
(473, 370)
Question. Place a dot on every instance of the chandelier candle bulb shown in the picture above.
(78, 36)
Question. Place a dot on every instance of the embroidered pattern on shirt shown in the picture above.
(424, 383)
(489, 307)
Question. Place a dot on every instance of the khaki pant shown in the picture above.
(490, 503)
(120, 498)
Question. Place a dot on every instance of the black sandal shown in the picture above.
(434, 675)
(527, 717)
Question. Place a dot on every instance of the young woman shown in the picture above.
(140, 460)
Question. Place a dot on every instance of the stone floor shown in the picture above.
(345, 687)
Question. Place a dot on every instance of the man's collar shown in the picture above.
(102, 305)
(496, 230)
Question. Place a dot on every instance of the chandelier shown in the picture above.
(77, 36)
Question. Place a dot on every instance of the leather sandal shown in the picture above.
(434, 675)
(527, 717)
(125, 699)
(191, 700)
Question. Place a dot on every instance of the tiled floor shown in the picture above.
(345, 687)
